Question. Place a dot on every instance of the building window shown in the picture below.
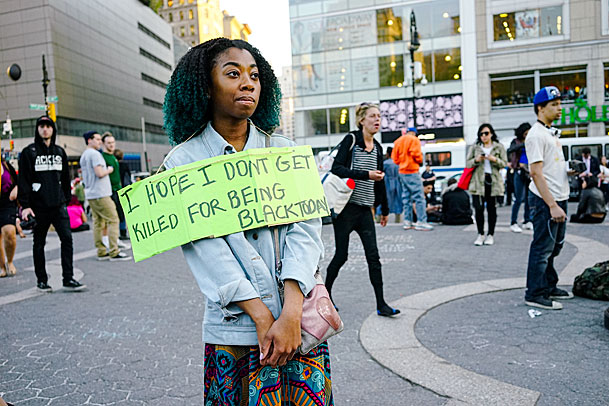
(339, 120)
(151, 34)
(153, 81)
(153, 58)
(182, 31)
(571, 81)
(192, 30)
(191, 1)
(606, 65)
(512, 89)
(169, 3)
(192, 43)
(444, 18)
(388, 26)
(181, 15)
(170, 17)
(447, 64)
(316, 122)
(528, 24)
(181, 2)
(391, 70)
(153, 103)
(190, 14)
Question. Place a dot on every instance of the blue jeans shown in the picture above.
(412, 191)
(548, 240)
(520, 191)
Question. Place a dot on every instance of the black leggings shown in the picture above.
(490, 207)
(359, 219)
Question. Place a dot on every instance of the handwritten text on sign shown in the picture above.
(220, 196)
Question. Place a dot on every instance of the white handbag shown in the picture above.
(338, 191)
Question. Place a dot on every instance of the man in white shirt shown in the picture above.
(548, 202)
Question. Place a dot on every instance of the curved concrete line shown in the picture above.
(393, 342)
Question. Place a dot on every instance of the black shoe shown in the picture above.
(544, 303)
(120, 257)
(73, 285)
(557, 293)
(387, 311)
(124, 238)
(44, 287)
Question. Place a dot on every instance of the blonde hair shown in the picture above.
(361, 110)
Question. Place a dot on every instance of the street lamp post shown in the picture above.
(45, 83)
(414, 46)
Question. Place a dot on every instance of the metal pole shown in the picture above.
(144, 144)
(45, 83)
(414, 107)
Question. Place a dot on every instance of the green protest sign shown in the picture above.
(220, 196)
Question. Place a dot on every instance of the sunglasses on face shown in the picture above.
(485, 133)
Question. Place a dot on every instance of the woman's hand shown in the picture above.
(479, 158)
(376, 175)
(384, 220)
(283, 338)
(13, 195)
(262, 317)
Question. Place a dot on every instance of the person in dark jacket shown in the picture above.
(362, 161)
(125, 175)
(8, 219)
(456, 209)
(518, 163)
(591, 207)
(44, 190)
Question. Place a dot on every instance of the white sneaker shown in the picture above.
(479, 241)
(528, 226)
(122, 244)
(420, 226)
(515, 228)
(407, 225)
(489, 240)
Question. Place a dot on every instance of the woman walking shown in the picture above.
(223, 97)
(360, 157)
(8, 220)
(520, 165)
(487, 156)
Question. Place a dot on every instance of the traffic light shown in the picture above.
(52, 112)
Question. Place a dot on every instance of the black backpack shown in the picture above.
(593, 283)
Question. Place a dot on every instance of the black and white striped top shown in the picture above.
(363, 194)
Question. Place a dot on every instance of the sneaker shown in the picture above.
(407, 225)
(73, 285)
(123, 238)
(104, 257)
(479, 241)
(124, 245)
(515, 228)
(387, 311)
(120, 257)
(420, 226)
(557, 293)
(44, 287)
(489, 240)
(528, 226)
(544, 303)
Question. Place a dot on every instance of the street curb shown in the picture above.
(393, 342)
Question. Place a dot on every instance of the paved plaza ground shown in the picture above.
(134, 336)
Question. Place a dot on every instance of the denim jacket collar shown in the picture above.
(217, 145)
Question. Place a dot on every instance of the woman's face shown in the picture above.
(235, 88)
(604, 160)
(524, 136)
(371, 121)
(485, 135)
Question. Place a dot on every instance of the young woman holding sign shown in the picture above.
(223, 98)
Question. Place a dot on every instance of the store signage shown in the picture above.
(581, 113)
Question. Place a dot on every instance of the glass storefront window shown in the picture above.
(551, 21)
(606, 81)
(504, 27)
(518, 88)
(316, 122)
(391, 70)
(447, 64)
(388, 25)
(445, 18)
(423, 15)
(339, 120)
(528, 24)
(306, 36)
(570, 81)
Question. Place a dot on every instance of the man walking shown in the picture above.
(547, 201)
(44, 190)
(98, 191)
(115, 181)
(408, 156)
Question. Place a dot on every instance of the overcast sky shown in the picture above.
(269, 21)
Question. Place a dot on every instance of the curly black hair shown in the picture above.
(186, 108)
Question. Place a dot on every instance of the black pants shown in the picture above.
(359, 219)
(586, 218)
(58, 217)
(119, 208)
(479, 202)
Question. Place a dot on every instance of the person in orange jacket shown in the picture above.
(408, 156)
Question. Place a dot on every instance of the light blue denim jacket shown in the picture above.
(241, 266)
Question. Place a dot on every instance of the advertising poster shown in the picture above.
(349, 30)
(527, 24)
(338, 76)
(309, 79)
(365, 73)
(306, 36)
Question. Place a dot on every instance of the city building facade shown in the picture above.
(287, 103)
(196, 21)
(105, 77)
(526, 45)
(345, 52)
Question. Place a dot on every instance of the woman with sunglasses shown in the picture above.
(487, 156)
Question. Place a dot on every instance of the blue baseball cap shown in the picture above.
(412, 129)
(546, 94)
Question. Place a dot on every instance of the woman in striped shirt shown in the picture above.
(360, 157)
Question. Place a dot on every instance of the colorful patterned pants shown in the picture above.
(234, 377)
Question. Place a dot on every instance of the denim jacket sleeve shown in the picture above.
(302, 251)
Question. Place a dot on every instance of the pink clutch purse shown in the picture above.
(320, 320)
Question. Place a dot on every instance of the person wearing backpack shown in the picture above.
(547, 201)
(362, 162)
